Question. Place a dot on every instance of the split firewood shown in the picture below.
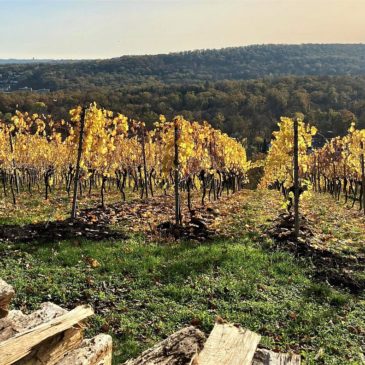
(52, 349)
(17, 322)
(97, 351)
(6, 294)
(228, 345)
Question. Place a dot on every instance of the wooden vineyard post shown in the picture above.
(77, 172)
(363, 175)
(144, 160)
(176, 177)
(296, 180)
(14, 176)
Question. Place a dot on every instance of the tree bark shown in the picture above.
(177, 349)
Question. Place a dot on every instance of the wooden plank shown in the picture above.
(54, 349)
(266, 357)
(97, 351)
(23, 343)
(6, 294)
(228, 345)
(176, 349)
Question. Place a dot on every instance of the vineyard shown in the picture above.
(156, 228)
(336, 168)
(97, 150)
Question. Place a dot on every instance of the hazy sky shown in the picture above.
(110, 28)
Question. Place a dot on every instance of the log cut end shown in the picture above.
(97, 351)
(6, 294)
(17, 322)
(228, 345)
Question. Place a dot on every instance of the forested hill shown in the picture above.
(248, 108)
(240, 63)
(324, 82)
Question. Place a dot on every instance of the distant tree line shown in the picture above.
(240, 63)
(243, 109)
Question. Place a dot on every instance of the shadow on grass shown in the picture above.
(337, 269)
(48, 232)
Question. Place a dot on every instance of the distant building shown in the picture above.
(43, 91)
(25, 88)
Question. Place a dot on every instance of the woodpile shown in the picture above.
(54, 336)
(50, 335)
(227, 344)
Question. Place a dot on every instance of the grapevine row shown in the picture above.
(98, 149)
(336, 168)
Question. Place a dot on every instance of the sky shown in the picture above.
(110, 28)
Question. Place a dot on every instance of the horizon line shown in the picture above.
(178, 52)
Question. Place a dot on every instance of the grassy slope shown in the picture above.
(339, 226)
(144, 291)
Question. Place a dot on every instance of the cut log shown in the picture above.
(266, 357)
(228, 345)
(97, 351)
(21, 345)
(177, 349)
(8, 325)
(47, 312)
(17, 322)
(6, 294)
(54, 349)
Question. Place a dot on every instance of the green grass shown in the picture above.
(34, 208)
(144, 292)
